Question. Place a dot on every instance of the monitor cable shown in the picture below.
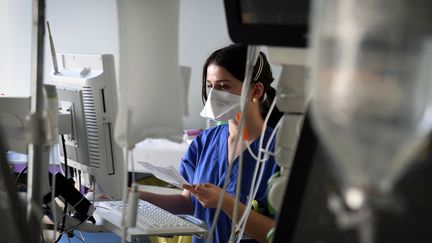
(238, 227)
(251, 58)
(259, 166)
(252, 54)
(256, 181)
(20, 173)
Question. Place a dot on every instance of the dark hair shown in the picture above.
(233, 59)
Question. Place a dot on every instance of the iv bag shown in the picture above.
(150, 102)
(372, 86)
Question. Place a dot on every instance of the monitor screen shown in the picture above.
(273, 22)
(13, 113)
(274, 12)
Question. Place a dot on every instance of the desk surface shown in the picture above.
(160, 152)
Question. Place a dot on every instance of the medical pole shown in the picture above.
(38, 148)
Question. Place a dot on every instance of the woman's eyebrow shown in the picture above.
(223, 80)
(220, 81)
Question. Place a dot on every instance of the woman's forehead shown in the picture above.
(217, 73)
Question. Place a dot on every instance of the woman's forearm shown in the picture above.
(175, 203)
(257, 224)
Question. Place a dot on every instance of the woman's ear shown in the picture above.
(257, 90)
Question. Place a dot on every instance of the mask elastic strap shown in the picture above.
(257, 75)
(260, 67)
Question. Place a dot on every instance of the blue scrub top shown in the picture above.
(206, 161)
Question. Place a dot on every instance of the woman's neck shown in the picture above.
(253, 127)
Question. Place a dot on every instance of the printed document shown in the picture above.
(168, 174)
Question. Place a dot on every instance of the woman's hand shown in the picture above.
(257, 225)
(207, 194)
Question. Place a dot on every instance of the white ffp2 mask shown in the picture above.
(221, 105)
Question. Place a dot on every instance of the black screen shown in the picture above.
(274, 12)
(270, 22)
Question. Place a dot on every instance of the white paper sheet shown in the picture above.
(168, 174)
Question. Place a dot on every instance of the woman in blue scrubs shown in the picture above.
(205, 164)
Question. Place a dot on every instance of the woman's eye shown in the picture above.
(221, 86)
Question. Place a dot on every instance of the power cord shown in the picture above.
(20, 173)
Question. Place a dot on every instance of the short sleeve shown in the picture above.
(189, 161)
(263, 201)
(271, 168)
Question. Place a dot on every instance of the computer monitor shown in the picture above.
(13, 218)
(86, 87)
(271, 22)
(13, 113)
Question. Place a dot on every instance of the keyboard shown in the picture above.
(152, 219)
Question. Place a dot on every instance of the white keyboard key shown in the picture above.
(155, 220)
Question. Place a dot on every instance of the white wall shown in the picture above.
(15, 47)
(78, 26)
(202, 30)
(90, 26)
(82, 26)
